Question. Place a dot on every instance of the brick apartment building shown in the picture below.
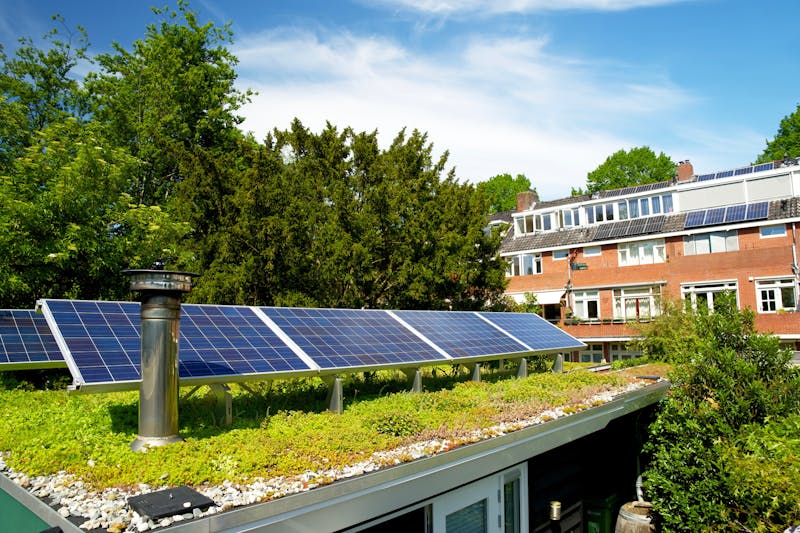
(598, 263)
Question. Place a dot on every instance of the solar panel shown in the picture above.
(714, 216)
(637, 226)
(757, 211)
(744, 170)
(724, 174)
(706, 177)
(735, 213)
(654, 224)
(620, 229)
(764, 166)
(102, 346)
(603, 232)
(533, 330)
(695, 219)
(26, 341)
(347, 338)
(461, 334)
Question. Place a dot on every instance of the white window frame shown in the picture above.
(709, 290)
(490, 491)
(711, 242)
(581, 300)
(593, 353)
(516, 264)
(641, 252)
(772, 231)
(560, 255)
(630, 302)
(592, 251)
(771, 295)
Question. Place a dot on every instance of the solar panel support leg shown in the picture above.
(224, 409)
(334, 401)
(476, 373)
(522, 370)
(558, 365)
(414, 376)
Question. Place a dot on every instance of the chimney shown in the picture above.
(685, 171)
(161, 292)
(526, 199)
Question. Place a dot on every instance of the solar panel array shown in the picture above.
(627, 228)
(100, 341)
(737, 172)
(635, 189)
(26, 341)
(727, 215)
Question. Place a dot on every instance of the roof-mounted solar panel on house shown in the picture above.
(743, 170)
(764, 166)
(725, 174)
(695, 219)
(714, 216)
(757, 211)
(735, 213)
(26, 342)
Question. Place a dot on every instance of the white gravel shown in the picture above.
(108, 509)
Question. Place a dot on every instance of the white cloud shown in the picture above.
(497, 104)
(447, 7)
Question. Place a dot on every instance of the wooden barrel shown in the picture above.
(634, 517)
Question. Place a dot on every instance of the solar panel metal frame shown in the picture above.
(695, 219)
(26, 342)
(123, 339)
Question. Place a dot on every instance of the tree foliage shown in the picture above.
(501, 191)
(142, 162)
(786, 142)
(637, 166)
(728, 378)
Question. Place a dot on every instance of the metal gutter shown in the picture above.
(346, 503)
(37, 506)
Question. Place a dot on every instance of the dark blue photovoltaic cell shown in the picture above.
(714, 216)
(533, 330)
(757, 211)
(694, 219)
(461, 334)
(26, 341)
(735, 213)
(763, 166)
(706, 177)
(103, 339)
(346, 338)
(725, 174)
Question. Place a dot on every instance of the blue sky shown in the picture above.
(545, 88)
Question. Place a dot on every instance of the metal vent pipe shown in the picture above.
(161, 292)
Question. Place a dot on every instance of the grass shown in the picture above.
(281, 430)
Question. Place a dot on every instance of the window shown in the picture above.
(644, 207)
(524, 265)
(702, 294)
(592, 354)
(656, 204)
(547, 223)
(558, 255)
(609, 211)
(598, 213)
(590, 215)
(622, 207)
(525, 224)
(633, 208)
(497, 503)
(711, 243)
(571, 217)
(590, 251)
(622, 351)
(641, 252)
(637, 303)
(587, 305)
(775, 295)
(778, 230)
(666, 202)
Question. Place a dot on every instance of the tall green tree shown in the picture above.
(786, 142)
(169, 99)
(501, 191)
(636, 166)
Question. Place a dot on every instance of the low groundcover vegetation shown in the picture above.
(43, 432)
